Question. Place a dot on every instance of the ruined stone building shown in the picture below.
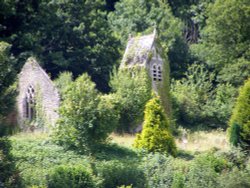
(36, 90)
(146, 52)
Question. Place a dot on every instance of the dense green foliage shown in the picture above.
(37, 157)
(204, 171)
(132, 17)
(225, 40)
(116, 173)
(70, 177)
(198, 102)
(241, 117)
(86, 117)
(62, 82)
(7, 77)
(207, 45)
(64, 35)
(132, 89)
(115, 166)
(159, 170)
(156, 135)
(234, 136)
(235, 178)
(9, 176)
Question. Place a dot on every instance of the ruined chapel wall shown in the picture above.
(33, 74)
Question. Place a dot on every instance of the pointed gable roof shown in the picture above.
(138, 50)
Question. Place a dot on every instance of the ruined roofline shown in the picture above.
(33, 61)
(144, 36)
(138, 49)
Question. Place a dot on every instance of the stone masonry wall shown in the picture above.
(32, 74)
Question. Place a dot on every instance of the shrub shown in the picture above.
(9, 176)
(115, 173)
(241, 115)
(70, 177)
(86, 117)
(158, 170)
(235, 157)
(235, 178)
(204, 171)
(132, 89)
(63, 81)
(197, 101)
(155, 136)
(178, 180)
(234, 134)
(37, 156)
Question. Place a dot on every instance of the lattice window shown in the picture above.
(29, 103)
(157, 72)
(154, 72)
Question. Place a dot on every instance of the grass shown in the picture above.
(198, 141)
(125, 140)
(36, 155)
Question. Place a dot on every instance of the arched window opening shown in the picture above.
(157, 72)
(29, 104)
(154, 72)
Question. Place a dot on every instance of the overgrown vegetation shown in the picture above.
(240, 120)
(132, 89)
(113, 166)
(207, 45)
(156, 134)
(86, 117)
(196, 101)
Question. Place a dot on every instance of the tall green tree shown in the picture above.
(132, 89)
(240, 121)
(7, 78)
(65, 35)
(156, 135)
(225, 40)
(86, 117)
(9, 176)
(142, 16)
(198, 102)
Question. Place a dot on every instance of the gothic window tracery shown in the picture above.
(29, 106)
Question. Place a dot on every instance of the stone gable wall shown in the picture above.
(32, 74)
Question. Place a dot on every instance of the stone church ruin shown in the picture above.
(36, 90)
(146, 52)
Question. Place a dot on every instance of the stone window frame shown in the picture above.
(29, 103)
(156, 72)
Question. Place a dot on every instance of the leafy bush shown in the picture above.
(9, 176)
(36, 157)
(158, 170)
(63, 81)
(204, 171)
(178, 180)
(234, 134)
(115, 173)
(196, 101)
(235, 178)
(86, 117)
(132, 89)
(235, 157)
(70, 177)
(156, 135)
(241, 115)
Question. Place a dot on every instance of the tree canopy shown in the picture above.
(64, 35)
